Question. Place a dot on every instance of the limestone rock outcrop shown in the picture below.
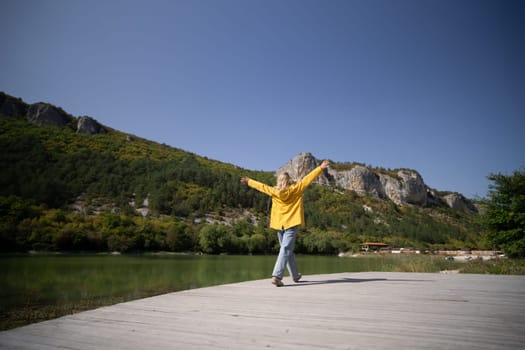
(406, 187)
(403, 186)
(11, 106)
(88, 125)
(361, 180)
(299, 166)
(459, 202)
(45, 114)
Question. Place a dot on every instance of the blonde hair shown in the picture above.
(283, 181)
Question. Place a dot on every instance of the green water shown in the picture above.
(35, 288)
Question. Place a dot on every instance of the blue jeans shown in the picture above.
(286, 256)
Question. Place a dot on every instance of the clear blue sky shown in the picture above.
(435, 86)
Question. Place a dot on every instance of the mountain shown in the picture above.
(72, 183)
(402, 186)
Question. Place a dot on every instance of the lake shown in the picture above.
(38, 287)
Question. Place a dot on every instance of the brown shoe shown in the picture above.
(277, 282)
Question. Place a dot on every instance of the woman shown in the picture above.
(287, 214)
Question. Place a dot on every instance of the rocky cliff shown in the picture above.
(11, 106)
(46, 114)
(88, 125)
(401, 186)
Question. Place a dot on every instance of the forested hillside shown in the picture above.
(63, 190)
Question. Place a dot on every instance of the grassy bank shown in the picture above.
(438, 263)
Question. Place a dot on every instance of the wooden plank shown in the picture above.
(338, 311)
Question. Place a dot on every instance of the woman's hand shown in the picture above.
(245, 180)
(325, 164)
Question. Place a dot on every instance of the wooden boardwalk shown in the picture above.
(338, 311)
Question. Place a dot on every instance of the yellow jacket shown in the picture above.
(287, 205)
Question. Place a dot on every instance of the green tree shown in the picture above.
(209, 236)
(505, 213)
(178, 237)
(13, 211)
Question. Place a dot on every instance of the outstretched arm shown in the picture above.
(307, 180)
(259, 186)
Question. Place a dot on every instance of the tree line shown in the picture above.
(27, 226)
